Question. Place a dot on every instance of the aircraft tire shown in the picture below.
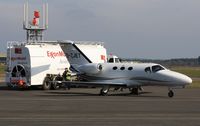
(135, 91)
(55, 85)
(170, 93)
(104, 92)
(46, 84)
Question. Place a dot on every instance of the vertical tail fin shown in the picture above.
(74, 54)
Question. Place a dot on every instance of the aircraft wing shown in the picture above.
(96, 84)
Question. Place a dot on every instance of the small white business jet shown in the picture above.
(130, 75)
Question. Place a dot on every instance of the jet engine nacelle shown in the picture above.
(91, 68)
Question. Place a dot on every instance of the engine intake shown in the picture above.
(91, 68)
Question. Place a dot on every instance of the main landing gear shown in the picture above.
(104, 91)
(135, 90)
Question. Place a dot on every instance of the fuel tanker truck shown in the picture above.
(37, 64)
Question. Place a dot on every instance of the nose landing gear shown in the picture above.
(170, 93)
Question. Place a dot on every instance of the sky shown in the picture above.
(153, 29)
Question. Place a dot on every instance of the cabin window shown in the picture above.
(122, 68)
(157, 68)
(130, 68)
(147, 70)
(114, 68)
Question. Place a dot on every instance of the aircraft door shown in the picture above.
(148, 74)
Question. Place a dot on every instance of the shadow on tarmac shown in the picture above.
(70, 93)
(75, 94)
(4, 87)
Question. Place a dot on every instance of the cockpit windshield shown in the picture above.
(157, 68)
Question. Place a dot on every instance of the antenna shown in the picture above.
(25, 22)
(34, 31)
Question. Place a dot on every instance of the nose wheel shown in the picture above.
(170, 93)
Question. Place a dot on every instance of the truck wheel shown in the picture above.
(10, 86)
(46, 84)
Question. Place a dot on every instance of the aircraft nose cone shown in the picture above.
(181, 79)
(177, 78)
(185, 79)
